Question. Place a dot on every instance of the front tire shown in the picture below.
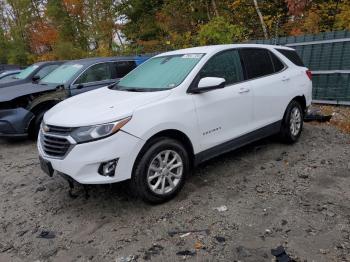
(292, 123)
(161, 171)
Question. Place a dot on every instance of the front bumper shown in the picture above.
(82, 161)
(14, 122)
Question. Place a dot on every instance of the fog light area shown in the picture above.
(108, 168)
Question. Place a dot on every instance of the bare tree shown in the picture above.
(263, 25)
(215, 8)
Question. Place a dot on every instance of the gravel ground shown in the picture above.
(268, 195)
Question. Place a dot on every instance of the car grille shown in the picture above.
(59, 129)
(54, 146)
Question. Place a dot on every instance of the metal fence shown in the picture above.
(327, 55)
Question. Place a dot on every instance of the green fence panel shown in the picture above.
(324, 60)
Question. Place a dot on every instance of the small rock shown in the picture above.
(126, 259)
(186, 253)
(267, 231)
(303, 176)
(259, 189)
(324, 251)
(154, 250)
(222, 208)
(220, 239)
(40, 189)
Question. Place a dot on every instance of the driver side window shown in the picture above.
(95, 73)
(226, 65)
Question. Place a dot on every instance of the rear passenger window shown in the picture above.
(225, 65)
(95, 73)
(257, 62)
(292, 56)
(122, 68)
(277, 64)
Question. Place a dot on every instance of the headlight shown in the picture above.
(91, 133)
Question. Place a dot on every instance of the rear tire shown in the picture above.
(160, 173)
(292, 123)
(34, 127)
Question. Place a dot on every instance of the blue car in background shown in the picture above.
(22, 107)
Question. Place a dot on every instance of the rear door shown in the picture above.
(223, 114)
(269, 82)
(96, 76)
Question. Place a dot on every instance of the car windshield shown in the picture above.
(26, 72)
(159, 73)
(61, 74)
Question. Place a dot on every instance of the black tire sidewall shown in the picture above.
(286, 133)
(140, 174)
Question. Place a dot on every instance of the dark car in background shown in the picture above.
(32, 73)
(23, 107)
(5, 67)
(7, 76)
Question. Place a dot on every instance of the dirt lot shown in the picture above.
(275, 194)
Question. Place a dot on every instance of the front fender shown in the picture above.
(52, 97)
(15, 122)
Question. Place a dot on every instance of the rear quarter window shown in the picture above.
(277, 64)
(292, 56)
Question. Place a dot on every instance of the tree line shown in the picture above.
(35, 30)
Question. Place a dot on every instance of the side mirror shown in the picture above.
(209, 83)
(36, 78)
(80, 86)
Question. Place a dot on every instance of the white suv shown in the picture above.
(175, 111)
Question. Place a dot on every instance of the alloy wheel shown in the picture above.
(165, 172)
(295, 121)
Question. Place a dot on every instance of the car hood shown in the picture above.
(99, 106)
(11, 92)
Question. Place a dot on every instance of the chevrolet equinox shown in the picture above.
(173, 112)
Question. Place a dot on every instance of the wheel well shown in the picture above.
(43, 105)
(38, 108)
(302, 101)
(170, 133)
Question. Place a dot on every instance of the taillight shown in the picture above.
(309, 74)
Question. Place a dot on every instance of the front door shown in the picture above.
(224, 114)
(96, 76)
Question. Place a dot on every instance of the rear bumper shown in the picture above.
(14, 122)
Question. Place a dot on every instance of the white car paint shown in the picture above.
(207, 119)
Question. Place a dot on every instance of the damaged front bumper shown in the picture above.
(15, 122)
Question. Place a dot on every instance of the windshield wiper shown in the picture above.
(115, 86)
(136, 89)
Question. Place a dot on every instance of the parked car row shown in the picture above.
(166, 116)
(26, 96)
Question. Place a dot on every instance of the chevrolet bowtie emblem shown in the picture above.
(46, 128)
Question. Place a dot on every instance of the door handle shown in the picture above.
(243, 90)
(285, 78)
